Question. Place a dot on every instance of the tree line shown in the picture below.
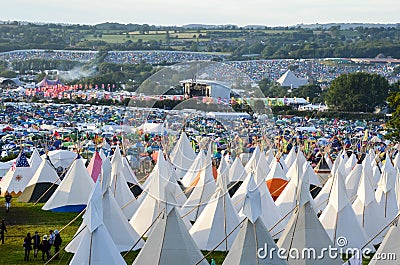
(261, 43)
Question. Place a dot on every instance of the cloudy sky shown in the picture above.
(181, 12)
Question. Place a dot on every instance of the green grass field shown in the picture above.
(26, 217)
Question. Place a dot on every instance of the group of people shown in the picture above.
(44, 245)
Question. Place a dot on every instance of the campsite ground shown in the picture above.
(27, 217)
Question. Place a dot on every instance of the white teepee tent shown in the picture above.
(170, 241)
(73, 193)
(385, 194)
(366, 207)
(388, 252)
(95, 244)
(35, 160)
(304, 231)
(151, 202)
(42, 185)
(17, 177)
(119, 187)
(217, 220)
(182, 156)
(202, 188)
(339, 219)
(253, 235)
(353, 180)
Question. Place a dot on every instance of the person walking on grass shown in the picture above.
(8, 199)
(3, 229)
(45, 247)
(57, 244)
(51, 238)
(36, 243)
(27, 246)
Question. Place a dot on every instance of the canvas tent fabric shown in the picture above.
(61, 159)
(42, 185)
(95, 246)
(16, 180)
(385, 194)
(253, 235)
(119, 187)
(170, 243)
(130, 177)
(73, 193)
(276, 179)
(203, 190)
(218, 219)
(366, 207)
(35, 160)
(339, 219)
(94, 166)
(270, 214)
(182, 156)
(150, 204)
(288, 79)
(389, 246)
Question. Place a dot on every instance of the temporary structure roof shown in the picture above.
(119, 187)
(365, 205)
(35, 160)
(288, 79)
(203, 188)
(385, 194)
(304, 231)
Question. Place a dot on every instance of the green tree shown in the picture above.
(394, 105)
(357, 92)
(313, 92)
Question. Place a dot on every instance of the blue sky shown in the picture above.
(179, 12)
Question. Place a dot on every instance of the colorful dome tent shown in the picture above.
(73, 192)
(17, 177)
(42, 185)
